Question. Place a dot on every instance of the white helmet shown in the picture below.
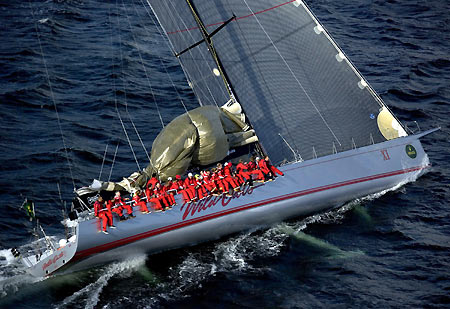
(169, 179)
(258, 158)
(226, 163)
(190, 175)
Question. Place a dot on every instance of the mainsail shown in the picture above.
(301, 94)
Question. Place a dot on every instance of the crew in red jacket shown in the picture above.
(220, 188)
(227, 170)
(161, 196)
(224, 183)
(187, 194)
(115, 208)
(272, 168)
(102, 212)
(151, 198)
(170, 189)
(262, 164)
(119, 201)
(152, 182)
(253, 170)
(209, 182)
(200, 187)
(189, 184)
(139, 202)
(169, 198)
(243, 173)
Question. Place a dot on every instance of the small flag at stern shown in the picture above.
(28, 205)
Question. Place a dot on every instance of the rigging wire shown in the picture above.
(114, 83)
(103, 162)
(113, 161)
(211, 47)
(352, 66)
(160, 58)
(125, 91)
(143, 66)
(173, 50)
(213, 54)
(52, 95)
(292, 72)
(205, 60)
(270, 92)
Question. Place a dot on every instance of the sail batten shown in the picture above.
(299, 90)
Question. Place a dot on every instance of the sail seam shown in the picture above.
(293, 74)
(350, 63)
(269, 91)
(199, 70)
(237, 18)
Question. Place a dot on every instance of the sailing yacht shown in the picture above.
(274, 66)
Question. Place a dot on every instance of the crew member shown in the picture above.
(243, 173)
(209, 182)
(220, 187)
(103, 213)
(139, 202)
(201, 191)
(227, 170)
(115, 208)
(272, 168)
(152, 182)
(119, 201)
(187, 194)
(252, 168)
(161, 196)
(151, 198)
(171, 190)
(264, 168)
(189, 186)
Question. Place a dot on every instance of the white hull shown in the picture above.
(307, 187)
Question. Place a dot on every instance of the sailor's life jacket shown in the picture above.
(99, 207)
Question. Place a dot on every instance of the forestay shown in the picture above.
(298, 89)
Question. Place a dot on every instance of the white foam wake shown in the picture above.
(6, 257)
(13, 274)
(238, 253)
(337, 214)
(90, 294)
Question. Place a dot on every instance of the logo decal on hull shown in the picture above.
(211, 201)
(385, 154)
(411, 151)
(53, 260)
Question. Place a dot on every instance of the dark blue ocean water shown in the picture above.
(391, 250)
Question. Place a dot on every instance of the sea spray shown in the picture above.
(13, 274)
(236, 254)
(91, 293)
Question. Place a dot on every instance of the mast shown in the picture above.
(228, 85)
(208, 40)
